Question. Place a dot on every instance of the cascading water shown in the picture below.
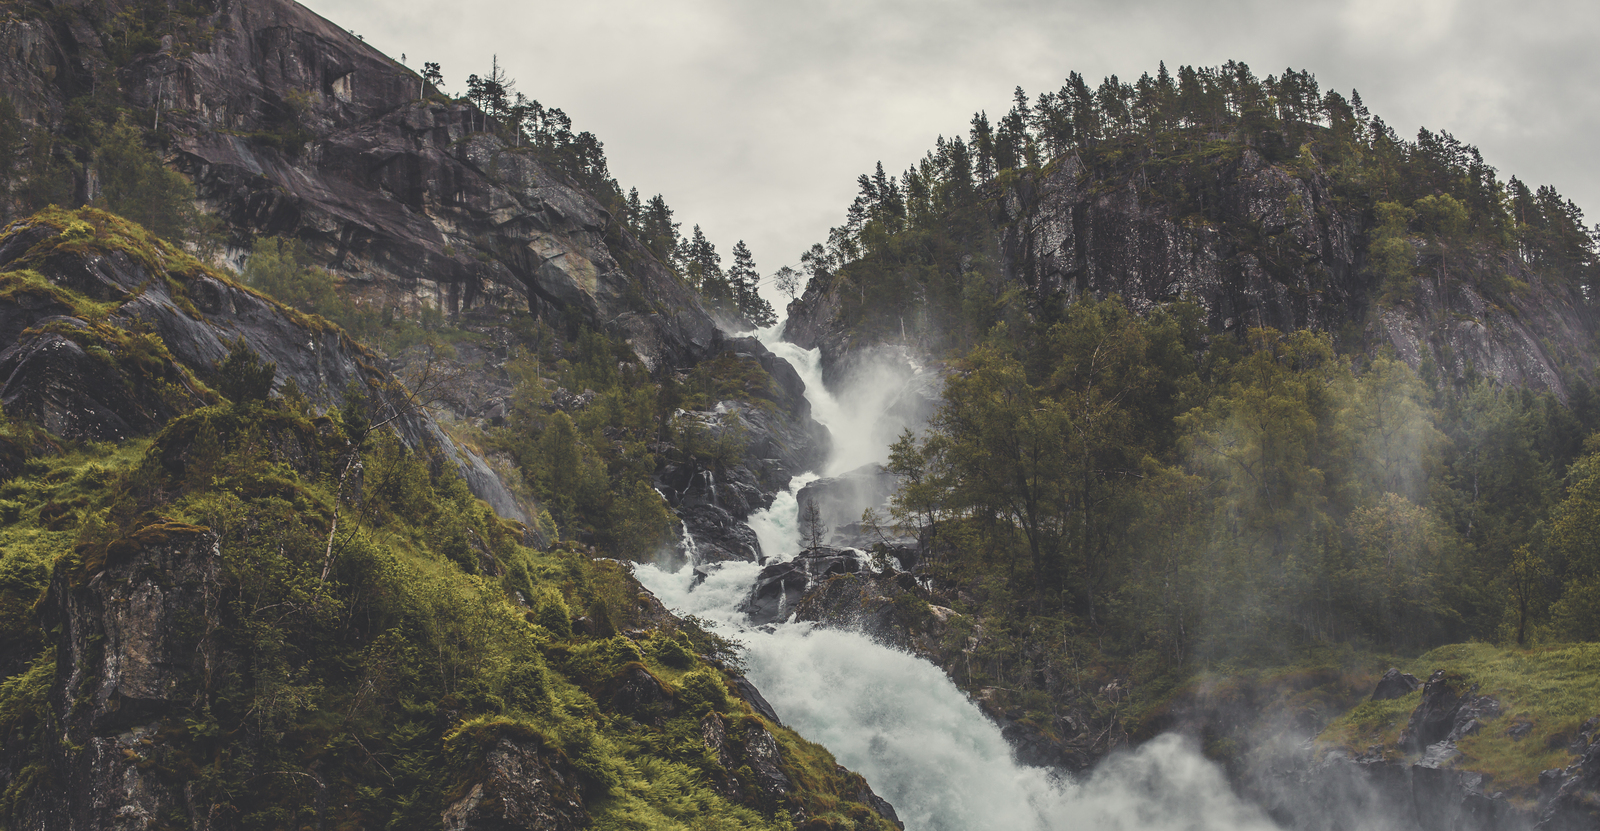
(897, 719)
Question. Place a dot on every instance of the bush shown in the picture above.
(243, 377)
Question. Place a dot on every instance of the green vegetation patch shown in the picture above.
(1547, 693)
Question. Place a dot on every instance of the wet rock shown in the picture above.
(777, 591)
(1570, 797)
(840, 500)
(1338, 791)
(1395, 684)
(762, 755)
(780, 586)
(1434, 717)
(735, 490)
(717, 536)
(860, 601)
(523, 788)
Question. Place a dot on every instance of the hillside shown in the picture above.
(334, 408)
(1267, 202)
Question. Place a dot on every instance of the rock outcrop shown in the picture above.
(1423, 783)
(1276, 248)
(106, 380)
(1569, 798)
(291, 126)
(521, 788)
(1395, 684)
(780, 586)
(135, 639)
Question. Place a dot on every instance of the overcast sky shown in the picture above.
(754, 118)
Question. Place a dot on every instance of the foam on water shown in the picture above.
(899, 721)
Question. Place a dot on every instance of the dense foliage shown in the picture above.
(922, 250)
(1110, 495)
(1209, 501)
(375, 631)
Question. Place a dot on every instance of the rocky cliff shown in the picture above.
(290, 126)
(110, 333)
(1269, 244)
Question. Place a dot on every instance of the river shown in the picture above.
(897, 719)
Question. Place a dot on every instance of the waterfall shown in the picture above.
(898, 720)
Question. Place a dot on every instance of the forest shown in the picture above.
(1113, 489)
(1151, 491)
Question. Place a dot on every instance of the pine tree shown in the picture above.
(702, 266)
(743, 279)
(660, 232)
(431, 76)
(983, 145)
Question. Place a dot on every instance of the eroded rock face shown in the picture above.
(134, 643)
(1395, 684)
(100, 393)
(522, 789)
(1276, 250)
(289, 125)
(762, 755)
(51, 380)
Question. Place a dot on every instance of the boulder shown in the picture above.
(711, 535)
(754, 698)
(1395, 684)
(1434, 717)
(522, 788)
(840, 500)
(780, 586)
(638, 694)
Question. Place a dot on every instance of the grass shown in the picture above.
(1554, 688)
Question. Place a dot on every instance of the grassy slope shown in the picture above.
(1554, 688)
(394, 680)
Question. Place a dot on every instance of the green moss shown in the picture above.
(1372, 723)
(1554, 689)
(389, 652)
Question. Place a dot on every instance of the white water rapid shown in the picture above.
(897, 719)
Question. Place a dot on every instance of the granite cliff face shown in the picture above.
(1274, 247)
(106, 379)
(291, 126)
(134, 642)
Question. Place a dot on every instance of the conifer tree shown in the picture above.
(743, 279)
